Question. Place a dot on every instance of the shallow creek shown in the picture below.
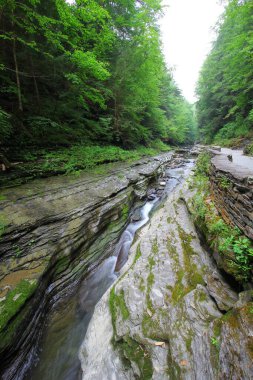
(67, 325)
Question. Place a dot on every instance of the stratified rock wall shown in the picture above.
(232, 187)
(56, 230)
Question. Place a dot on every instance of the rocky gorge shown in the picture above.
(167, 313)
(55, 232)
(172, 314)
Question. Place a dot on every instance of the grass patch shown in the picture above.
(15, 300)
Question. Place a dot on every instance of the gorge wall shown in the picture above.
(55, 232)
(232, 188)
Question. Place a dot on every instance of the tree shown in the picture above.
(225, 86)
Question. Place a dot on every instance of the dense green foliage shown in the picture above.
(91, 72)
(225, 87)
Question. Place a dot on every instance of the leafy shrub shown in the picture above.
(203, 163)
(248, 149)
(224, 182)
(243, 250)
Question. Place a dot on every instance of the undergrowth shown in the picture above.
(248, 149)
(31, 164)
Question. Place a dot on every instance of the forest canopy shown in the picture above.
(225, 86)
(91, 72)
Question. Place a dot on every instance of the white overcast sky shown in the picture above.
(187, 35)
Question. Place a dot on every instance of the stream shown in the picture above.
(67, 325)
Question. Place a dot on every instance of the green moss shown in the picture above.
(125, 209)
(137, 353)
(142, 285)
(190, 272)
(172, 250)
(215, 340)
(174, 371)
(138, 254)
(201, 296)
(188, 342)
(117, 303)
(62, 265)
(7, 335)
(178, 290)
(155, 247)
(151, 326)
(185, 240)
(217, 324)
(150, 278)
(15, 300)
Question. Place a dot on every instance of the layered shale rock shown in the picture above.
(55, 231)
(232, 187)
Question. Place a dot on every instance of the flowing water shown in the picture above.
(67, 325)
(58, 357)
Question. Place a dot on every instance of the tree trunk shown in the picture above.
(4, 163)
(20, 104)
(35, 85)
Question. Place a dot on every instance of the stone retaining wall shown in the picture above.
(232, 189)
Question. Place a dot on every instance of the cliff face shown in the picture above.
(171, 314)
(55, 231)
(232, 187)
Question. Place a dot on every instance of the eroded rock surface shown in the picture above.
(171, 314)
(232, 187)
(56, 230)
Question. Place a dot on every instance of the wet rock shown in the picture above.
(165, 314)
(217, 148)
(244, 298)
(56, 230)
(151, 194)
(224, 296)
(136, 216)
(235, 344)
(182, 150)
(197, 149)
(151, 197)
